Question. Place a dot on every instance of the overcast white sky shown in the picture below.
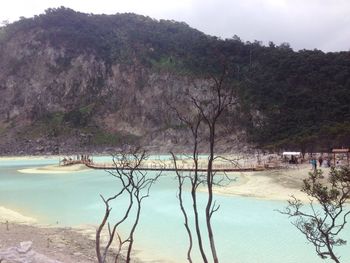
(309, 24)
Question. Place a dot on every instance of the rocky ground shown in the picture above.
(61, 244)
(47, 146)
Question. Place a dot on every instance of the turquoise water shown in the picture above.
(247, 230)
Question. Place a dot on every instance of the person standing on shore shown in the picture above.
(313, 163)
(320, 160)
(328, 163)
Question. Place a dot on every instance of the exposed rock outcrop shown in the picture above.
(23, 253)
(63, 89)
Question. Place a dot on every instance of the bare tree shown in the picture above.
(181, 180)
(135, 185)
(193, 122)
(206, 104)
(325, 220)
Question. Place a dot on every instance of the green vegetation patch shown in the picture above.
(79, 117)
(51, 125)
(97, 136)
(2, 130)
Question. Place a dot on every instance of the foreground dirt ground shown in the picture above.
(62, 244)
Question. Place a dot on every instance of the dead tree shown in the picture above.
(206, 104)
(195, 178)
(135, 185)
(181, 180)
(323, 223)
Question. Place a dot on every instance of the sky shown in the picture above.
(304, 24)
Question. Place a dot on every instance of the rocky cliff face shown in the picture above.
(51, 101)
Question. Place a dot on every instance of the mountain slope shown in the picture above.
(71, 81)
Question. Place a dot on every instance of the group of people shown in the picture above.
(321, 161)
(79, 159)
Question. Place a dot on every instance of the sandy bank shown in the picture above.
(270, 185)
(55, 169)
(29, 157)
(13, 216)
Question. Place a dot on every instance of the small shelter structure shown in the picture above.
(292, 156)
(345, 151)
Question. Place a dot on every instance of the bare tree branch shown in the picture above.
(207, 102)
(136, 184)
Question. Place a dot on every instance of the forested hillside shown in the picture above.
(86, 66)
(304, 97)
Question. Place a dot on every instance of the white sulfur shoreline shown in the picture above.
(29, 157)
(15, 217)
(55, 169)
(271, 184)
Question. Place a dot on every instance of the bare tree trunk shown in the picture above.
(209, 208)
(100, 259)
(181, 181)
(131, 237)
(330, 250)
(195, 211)
(197, 226)
(189, 233)
(195, 182)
